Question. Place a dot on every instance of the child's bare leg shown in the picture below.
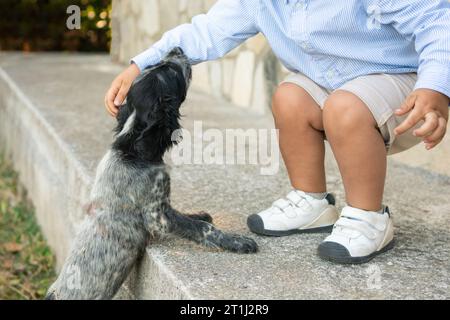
(359, 149)
(299, 120)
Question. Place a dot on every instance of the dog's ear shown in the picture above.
(125, 112)
(155, 101)
(159, 122)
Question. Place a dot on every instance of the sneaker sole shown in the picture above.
(339, 254)
(255, 227)
(323, 224)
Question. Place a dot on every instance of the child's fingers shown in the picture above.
(107, 107)
(109, 100)
(431, 145)
(407, 106)
(121, 95)
(429, 126)
(438, 134)
(413, 118)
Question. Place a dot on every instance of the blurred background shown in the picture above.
(40, 26)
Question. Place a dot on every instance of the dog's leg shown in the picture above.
(102, 257)
(202, 215)
(205, 233)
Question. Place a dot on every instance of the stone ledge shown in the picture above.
(54, 128)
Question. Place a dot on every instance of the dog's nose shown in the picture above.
(177, 51)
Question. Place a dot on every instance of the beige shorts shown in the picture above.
(382, 93)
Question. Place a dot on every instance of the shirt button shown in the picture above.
(330, 74)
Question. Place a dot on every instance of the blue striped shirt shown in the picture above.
(331, 42)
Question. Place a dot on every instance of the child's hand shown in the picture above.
(430, 106)
(119, 89)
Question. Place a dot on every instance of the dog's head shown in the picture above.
(151, 114)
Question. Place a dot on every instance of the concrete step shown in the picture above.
(54, 127)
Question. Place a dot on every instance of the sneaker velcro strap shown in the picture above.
(294, 197)
(357, 225)
(281, 204)
(374, 219)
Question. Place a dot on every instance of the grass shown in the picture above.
(26, 262)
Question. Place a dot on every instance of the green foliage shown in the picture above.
(38, 25)
(26, 262)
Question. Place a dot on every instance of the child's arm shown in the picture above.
(427, 23)
(209, 36)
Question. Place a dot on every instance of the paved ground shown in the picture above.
(68, 92)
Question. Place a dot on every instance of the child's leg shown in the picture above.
(363, 229)
(359, 123)
(358, 147)
(299, 120)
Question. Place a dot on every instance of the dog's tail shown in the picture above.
(103, 255)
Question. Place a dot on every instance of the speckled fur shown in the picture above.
(130, 199)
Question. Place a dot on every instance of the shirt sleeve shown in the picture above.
(209, 36)
(427, 23)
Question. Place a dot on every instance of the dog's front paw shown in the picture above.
(240, 244)
(202, 215)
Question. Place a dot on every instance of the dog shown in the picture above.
(130, 199)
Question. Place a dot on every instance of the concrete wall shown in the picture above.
(246, 76)
(45, 167)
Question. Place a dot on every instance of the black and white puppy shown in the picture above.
(130, 199)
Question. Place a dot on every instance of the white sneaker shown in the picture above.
(358, 236)
(298, 213)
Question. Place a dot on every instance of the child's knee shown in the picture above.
(293, 103)
(344, 112)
